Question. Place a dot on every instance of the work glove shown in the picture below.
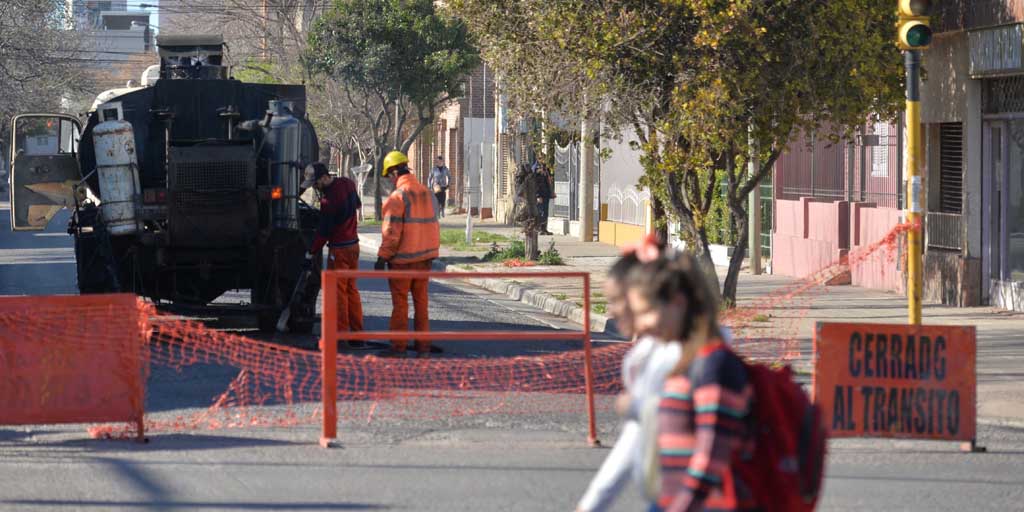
(382, 264)
(307, 262)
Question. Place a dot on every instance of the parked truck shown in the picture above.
(182, 188)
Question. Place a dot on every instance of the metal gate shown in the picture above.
(567, 183)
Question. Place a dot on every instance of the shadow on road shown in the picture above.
(188, 505)
(162, 442)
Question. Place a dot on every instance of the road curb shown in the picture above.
(995, 421)
(544, 301)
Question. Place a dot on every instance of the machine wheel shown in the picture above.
(301, 326)
(267, 320)
(278, 268)
(90, 262)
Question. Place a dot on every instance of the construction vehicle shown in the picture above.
(182, 189)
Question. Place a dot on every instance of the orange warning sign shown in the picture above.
(891, 380)
(57, 366)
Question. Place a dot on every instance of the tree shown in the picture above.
(708, 84)
(399, 60)
(38, 57)
(267, 42)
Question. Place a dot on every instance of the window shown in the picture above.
(880, 152)
(46, 136)
(951, 165)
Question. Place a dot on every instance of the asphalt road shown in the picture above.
(491, 462)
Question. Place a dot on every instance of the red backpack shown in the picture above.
(786, 469)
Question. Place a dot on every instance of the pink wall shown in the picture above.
(813, 234)
(881, 269)
(809, 235)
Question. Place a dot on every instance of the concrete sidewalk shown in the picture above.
(1000, 359)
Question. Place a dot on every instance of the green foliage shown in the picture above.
(399, 48)
(550, 256)
(455, 239)
(255, 71)
(396, 61)
(600, 308)
(515, 249)
(702, 84)
(560, 296)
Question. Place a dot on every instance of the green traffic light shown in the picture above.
(920, 35)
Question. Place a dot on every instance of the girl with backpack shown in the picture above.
(644, 369)
(700, 423)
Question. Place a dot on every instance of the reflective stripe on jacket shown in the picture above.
(410, 229)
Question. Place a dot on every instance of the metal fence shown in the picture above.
(567, 183)
(627, 205)
(767, 217)
(866, 169)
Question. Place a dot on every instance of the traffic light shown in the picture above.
(913, 29)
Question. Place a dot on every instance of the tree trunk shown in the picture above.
(346, 164)
(702, 251)
(378, 203)
(736, 262)
(660, 229)
(532, 246)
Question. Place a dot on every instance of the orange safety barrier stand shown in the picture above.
(58, 365)
(329, 331)
(897, 381)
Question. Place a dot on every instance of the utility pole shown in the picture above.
(266, 29)
(915, 35)
(754, 210)
(483, 143)
(586, 195)
(914, 200)
(398, 133)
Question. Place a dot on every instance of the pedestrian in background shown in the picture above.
(438, 181)
(411, 240)
(702, 418)
(339, 202)
(545, 193)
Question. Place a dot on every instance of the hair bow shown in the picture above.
(646, 250)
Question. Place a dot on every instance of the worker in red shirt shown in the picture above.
(339, 202)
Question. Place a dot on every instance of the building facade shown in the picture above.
(831, 199)
(972, 111)
(119, 42)
(464, 134)
(972, 118)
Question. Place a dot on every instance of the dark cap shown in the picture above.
(314, 171)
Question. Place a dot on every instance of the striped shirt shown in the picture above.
(702, 424)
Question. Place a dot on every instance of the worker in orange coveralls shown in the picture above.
(411, 239)
(338, 206)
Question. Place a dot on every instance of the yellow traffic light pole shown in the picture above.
(913, 35)
(912, 62)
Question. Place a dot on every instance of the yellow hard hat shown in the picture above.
(393, 159)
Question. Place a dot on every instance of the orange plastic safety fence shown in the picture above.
(72, 360)
(275, 385)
